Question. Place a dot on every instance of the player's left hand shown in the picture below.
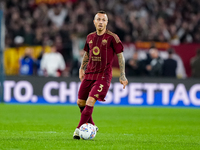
(123, 81)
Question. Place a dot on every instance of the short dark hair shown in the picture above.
(152, 45)
(101, 12)
(170, 51)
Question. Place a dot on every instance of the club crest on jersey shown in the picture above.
(96, 50)
(104, 42)
(90, 42)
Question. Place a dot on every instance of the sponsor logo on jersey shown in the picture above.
(96, 58)
(96, 50)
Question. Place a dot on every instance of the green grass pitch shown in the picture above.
(32, 127)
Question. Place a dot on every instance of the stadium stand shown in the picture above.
(67, 22)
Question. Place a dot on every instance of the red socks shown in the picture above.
(90, 120)
(86, 115)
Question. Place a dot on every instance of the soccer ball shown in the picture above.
(87, 131)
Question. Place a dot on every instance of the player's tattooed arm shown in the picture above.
(122, 77)
(121, 66)
(85, 61)
(83, 66)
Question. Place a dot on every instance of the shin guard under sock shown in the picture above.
(90, 120)
(85, 115)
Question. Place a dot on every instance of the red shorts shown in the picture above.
(93, 88)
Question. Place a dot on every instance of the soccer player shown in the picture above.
(95, 72)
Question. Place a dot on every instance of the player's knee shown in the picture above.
(81, 103)
(90, 101)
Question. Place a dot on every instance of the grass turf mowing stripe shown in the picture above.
(52, 127)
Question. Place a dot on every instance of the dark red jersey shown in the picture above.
(101, 51)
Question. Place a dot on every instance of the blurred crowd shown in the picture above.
(161, 64)
(174, 21)
(65, 25)
(154, 65)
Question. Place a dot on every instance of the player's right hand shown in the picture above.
(81, 74)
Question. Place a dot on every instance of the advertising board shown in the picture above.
(139, 92)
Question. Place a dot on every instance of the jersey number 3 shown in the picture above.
(101, 88)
